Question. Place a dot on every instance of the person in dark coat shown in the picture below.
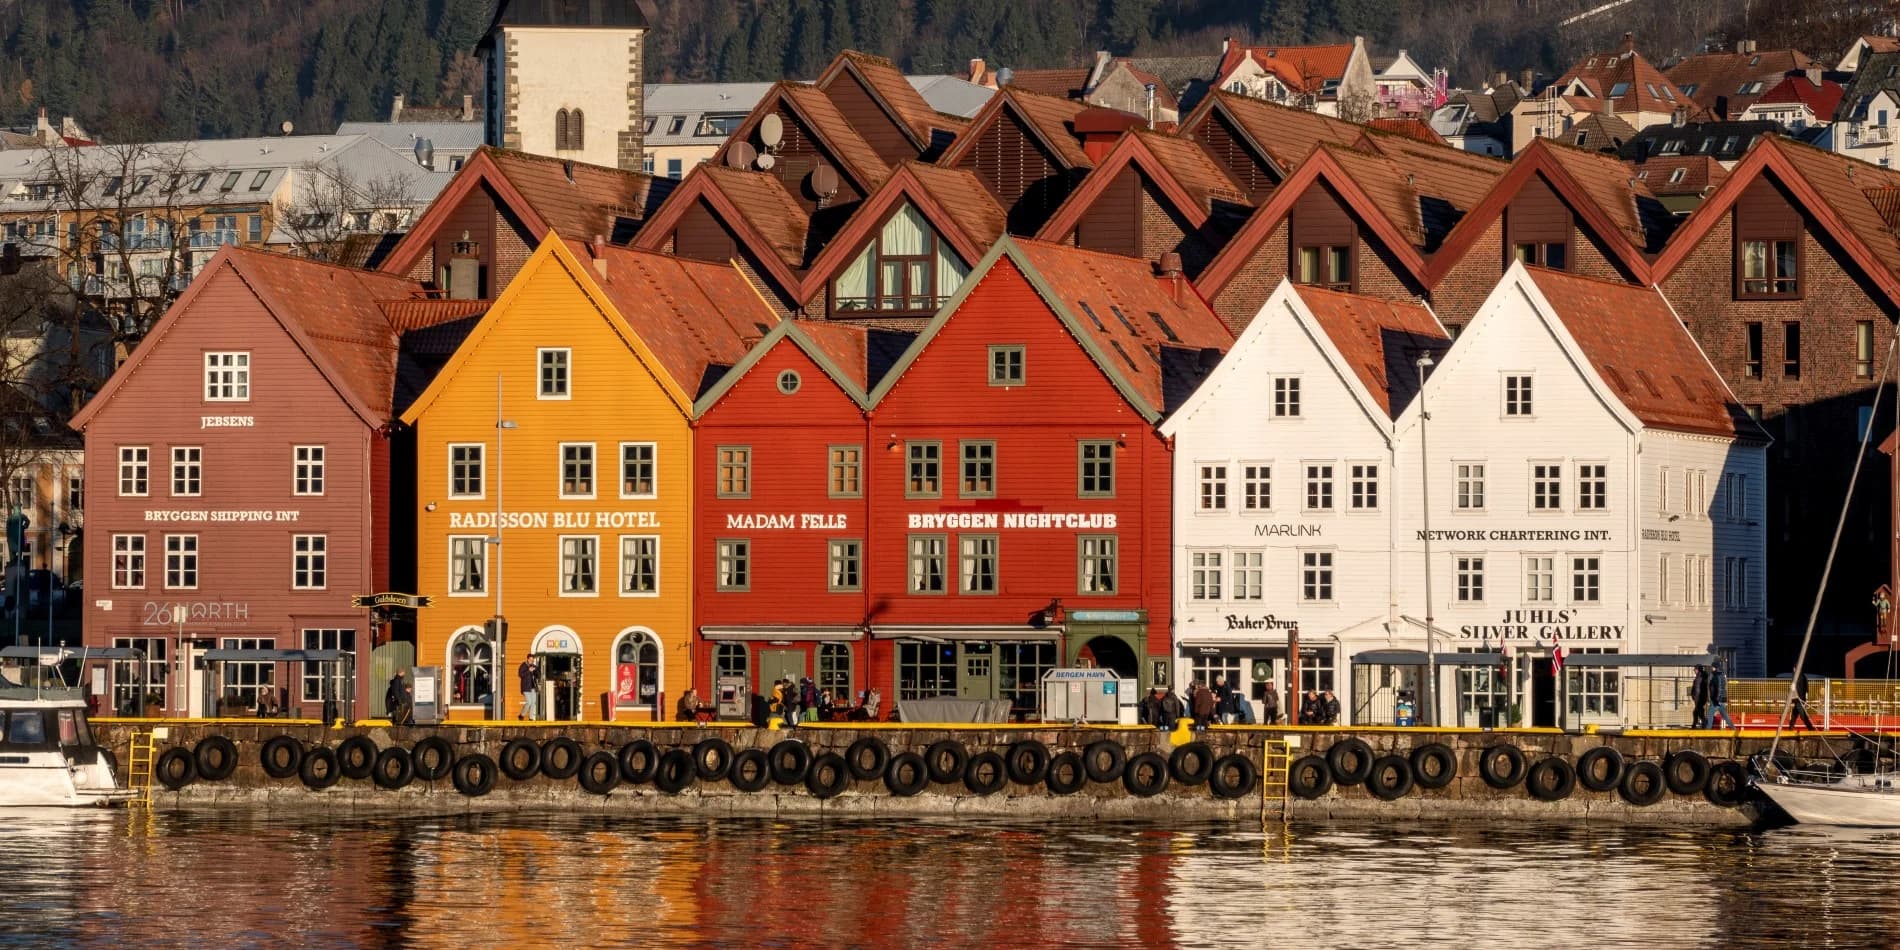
(1270, 706)
(1310, 709)
(1800, 707)
(1718, 697)
(1172, 709)
(1329, 708)
(1699, 694)
(1152, 713)
(1202, 700)
(1223, 698)
(396, 701)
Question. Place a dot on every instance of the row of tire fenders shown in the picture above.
(790, 762)
(1551, 778)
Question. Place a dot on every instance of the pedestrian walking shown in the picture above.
(1270, 706)
(1718, 697)
(530, 676)
(396, 701)
(1800, 707)
(1201, 700)
(1699, 694)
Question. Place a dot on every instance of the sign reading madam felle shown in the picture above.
(1540, 625)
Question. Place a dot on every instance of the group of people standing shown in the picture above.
(1225, 702)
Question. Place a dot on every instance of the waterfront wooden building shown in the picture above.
(1153, 194)
(554, 479)
(1027, 150)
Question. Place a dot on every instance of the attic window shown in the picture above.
(1728, 144)
(1689, 90)
(257, 183)
(675, 124)
(1582, 136)
(1754, 61)
(1091, 315)
(199, 182)
(1117, 311)
(1675, 177)
(1117, 344)
(1669, 94)
(231, 181)
(1749, 88)
(1648, 383)
(647, 127)
(1672, 147)
(1642, 174)
(1162, 324)
(1619, 89)
(1653, 94)
(906, 267)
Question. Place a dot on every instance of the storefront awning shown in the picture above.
(718, 634)
(1638, 659)
(964, 632)
(1417, 658)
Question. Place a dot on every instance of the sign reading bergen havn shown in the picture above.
(391, 599)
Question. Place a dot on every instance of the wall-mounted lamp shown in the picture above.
(429, 507)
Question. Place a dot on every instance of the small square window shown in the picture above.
(554, 373)
(1006, 366)
(227, 377)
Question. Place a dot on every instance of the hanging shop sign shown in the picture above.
(361, 601)
(1541, 625)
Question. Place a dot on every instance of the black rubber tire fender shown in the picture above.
(280, 756)
(638, 760)
(946, 759)
(986, 773)
(599, 774)
(215, 758)
(1191, 764)
(828, 776)
(867, 757)
(1233, 776)
(1027, 761)
(356, 757)
(520, 759)
(1067, 773)
(175, 768)
(674, 773)
(433, 758)
(750, 770)
(906, 775)
(561, 758)
(319, 769)
(1686, 772)
(712, 758)
(1600, 769)
(1434, 765)
(1350, 760)
(1145, 775)
(1501, 766)
(393, 769)
(1551, 779)
(791, 760)
(1642, 784)
(1309, 777)
(1104, 760)
(1390, 778)
(1727, 785)
(474, 774)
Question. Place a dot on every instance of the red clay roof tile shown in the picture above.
(1379, 339)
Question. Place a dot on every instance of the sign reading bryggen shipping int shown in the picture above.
(1543, 624)
(462, 520)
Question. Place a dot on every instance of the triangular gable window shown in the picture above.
(907, 269)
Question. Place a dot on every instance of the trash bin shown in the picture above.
(1487, 716)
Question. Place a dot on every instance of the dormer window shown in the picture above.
(906, 269)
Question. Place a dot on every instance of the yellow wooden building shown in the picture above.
(554, 480)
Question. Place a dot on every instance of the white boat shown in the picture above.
(47, 753)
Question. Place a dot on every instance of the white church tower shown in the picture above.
(564, 79)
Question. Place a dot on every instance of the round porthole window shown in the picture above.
(788, 382)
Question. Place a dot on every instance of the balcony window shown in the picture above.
(907, 269)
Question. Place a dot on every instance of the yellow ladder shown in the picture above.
(1276, 760)
(138, 768)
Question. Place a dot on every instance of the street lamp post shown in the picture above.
(1429, 704)
(498, 684)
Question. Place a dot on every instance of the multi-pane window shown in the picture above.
(1547, 487)
(1319, 486)
(181, 561)
(468, 564)
(1540, 579)
(315, 674)
(128, 561)
(227, 377)
(248, 679)
(1751, 354)
(734, 564)
(639, 564)
(1771, 268)
(1098, 554)
(924, 469)
(846, 471)
(553, 373)
(907, 267)
(1020, 668)
(580, 565)
(75, 492)
(1213, 484)
(1695, 491)
(1586, 580)
(309, 561)
(1517, 395)
(133, 681)
(1328, 266)
(638, 469)
(1316, 575)
(1864, 349)
(1735, 583)
(306, 470)
(465, 470)
(1250, 575)
(1596, 690)
(977, 563)
(1205, 574)
(834, 669)
(1006, 366)
(471, 668)
(1470, 486)
(577, 470)
(21, 492)
(1593, 487)
(1286, 397)
(1365, 486)
(1735, 496)
(734, 471)
(135, 470)
(979, 470)
(187, 470)
(926, 670)
(1096, 469)
(1470, 578)
(927, 569)
(1546, 254)
(1256, 487)
(844, 565)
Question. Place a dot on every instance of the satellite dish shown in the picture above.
(766, 161)
(287, 127)
(824, 181)
(741, 155)
(771, 130)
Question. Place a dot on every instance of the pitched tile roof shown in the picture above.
(965, 199)
(1625, 77)
(834, 131)
(863, 354)
(1629, 204)
(1599, 132)
(1878, 70)
(1196, 171)
(1715, 81)
(407, 316)
(1658, 173)
(1299, 68)
(1423, 190)
(1284, 134)
(697, 318)
(1823, 99)
(1854, 190)
(1410, 128)
(1380, 340)
(889, 84)
(765, 204)
(1066, 83)
(1642, 350)
(1054, 118)
(578, 199)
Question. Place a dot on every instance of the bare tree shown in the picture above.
(331, 203)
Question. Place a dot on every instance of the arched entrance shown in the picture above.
(557, 651)
(1111, 653)
(637, 671)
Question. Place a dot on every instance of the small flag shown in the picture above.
(1556, 656)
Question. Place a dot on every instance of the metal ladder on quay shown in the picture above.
(1276, 760)
(138, 767)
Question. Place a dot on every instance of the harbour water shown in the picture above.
(99, 879)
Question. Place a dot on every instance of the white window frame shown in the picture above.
(621, 574)
(128, 549)
(188, 466)
(227, 370)
(310, 678)
(561, 572)
(481, 469)
(1362, 486)
(1247, 581)
(1308, 481)
(1540, 578)
(1735, 492)
(567, 372)
(1286, 398)
(1468, 478)
(309, 562)
(653, 460)
(1210, 493)
(135, 466)
(307, 470)
(1207, 575)
(1324, 565)
(1578, 572)
(1601, 482)
(1468, 578)
(593, 470)
(480, 546)
(1256, 485)
(1531, 497)
(1523, 403)
(180, 554)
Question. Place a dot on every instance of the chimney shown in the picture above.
(1629, 43)
(979, 73)
(395, 108)
(1149, 89)
(1226, 43)
(1609, 108)
(42, 129)
(1814, 75)
(468, 108)
(1103, 60)
(599, 247)
(1524, 79)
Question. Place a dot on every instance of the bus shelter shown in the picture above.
(1474, 686)
(336, 673)
(1630, 689)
